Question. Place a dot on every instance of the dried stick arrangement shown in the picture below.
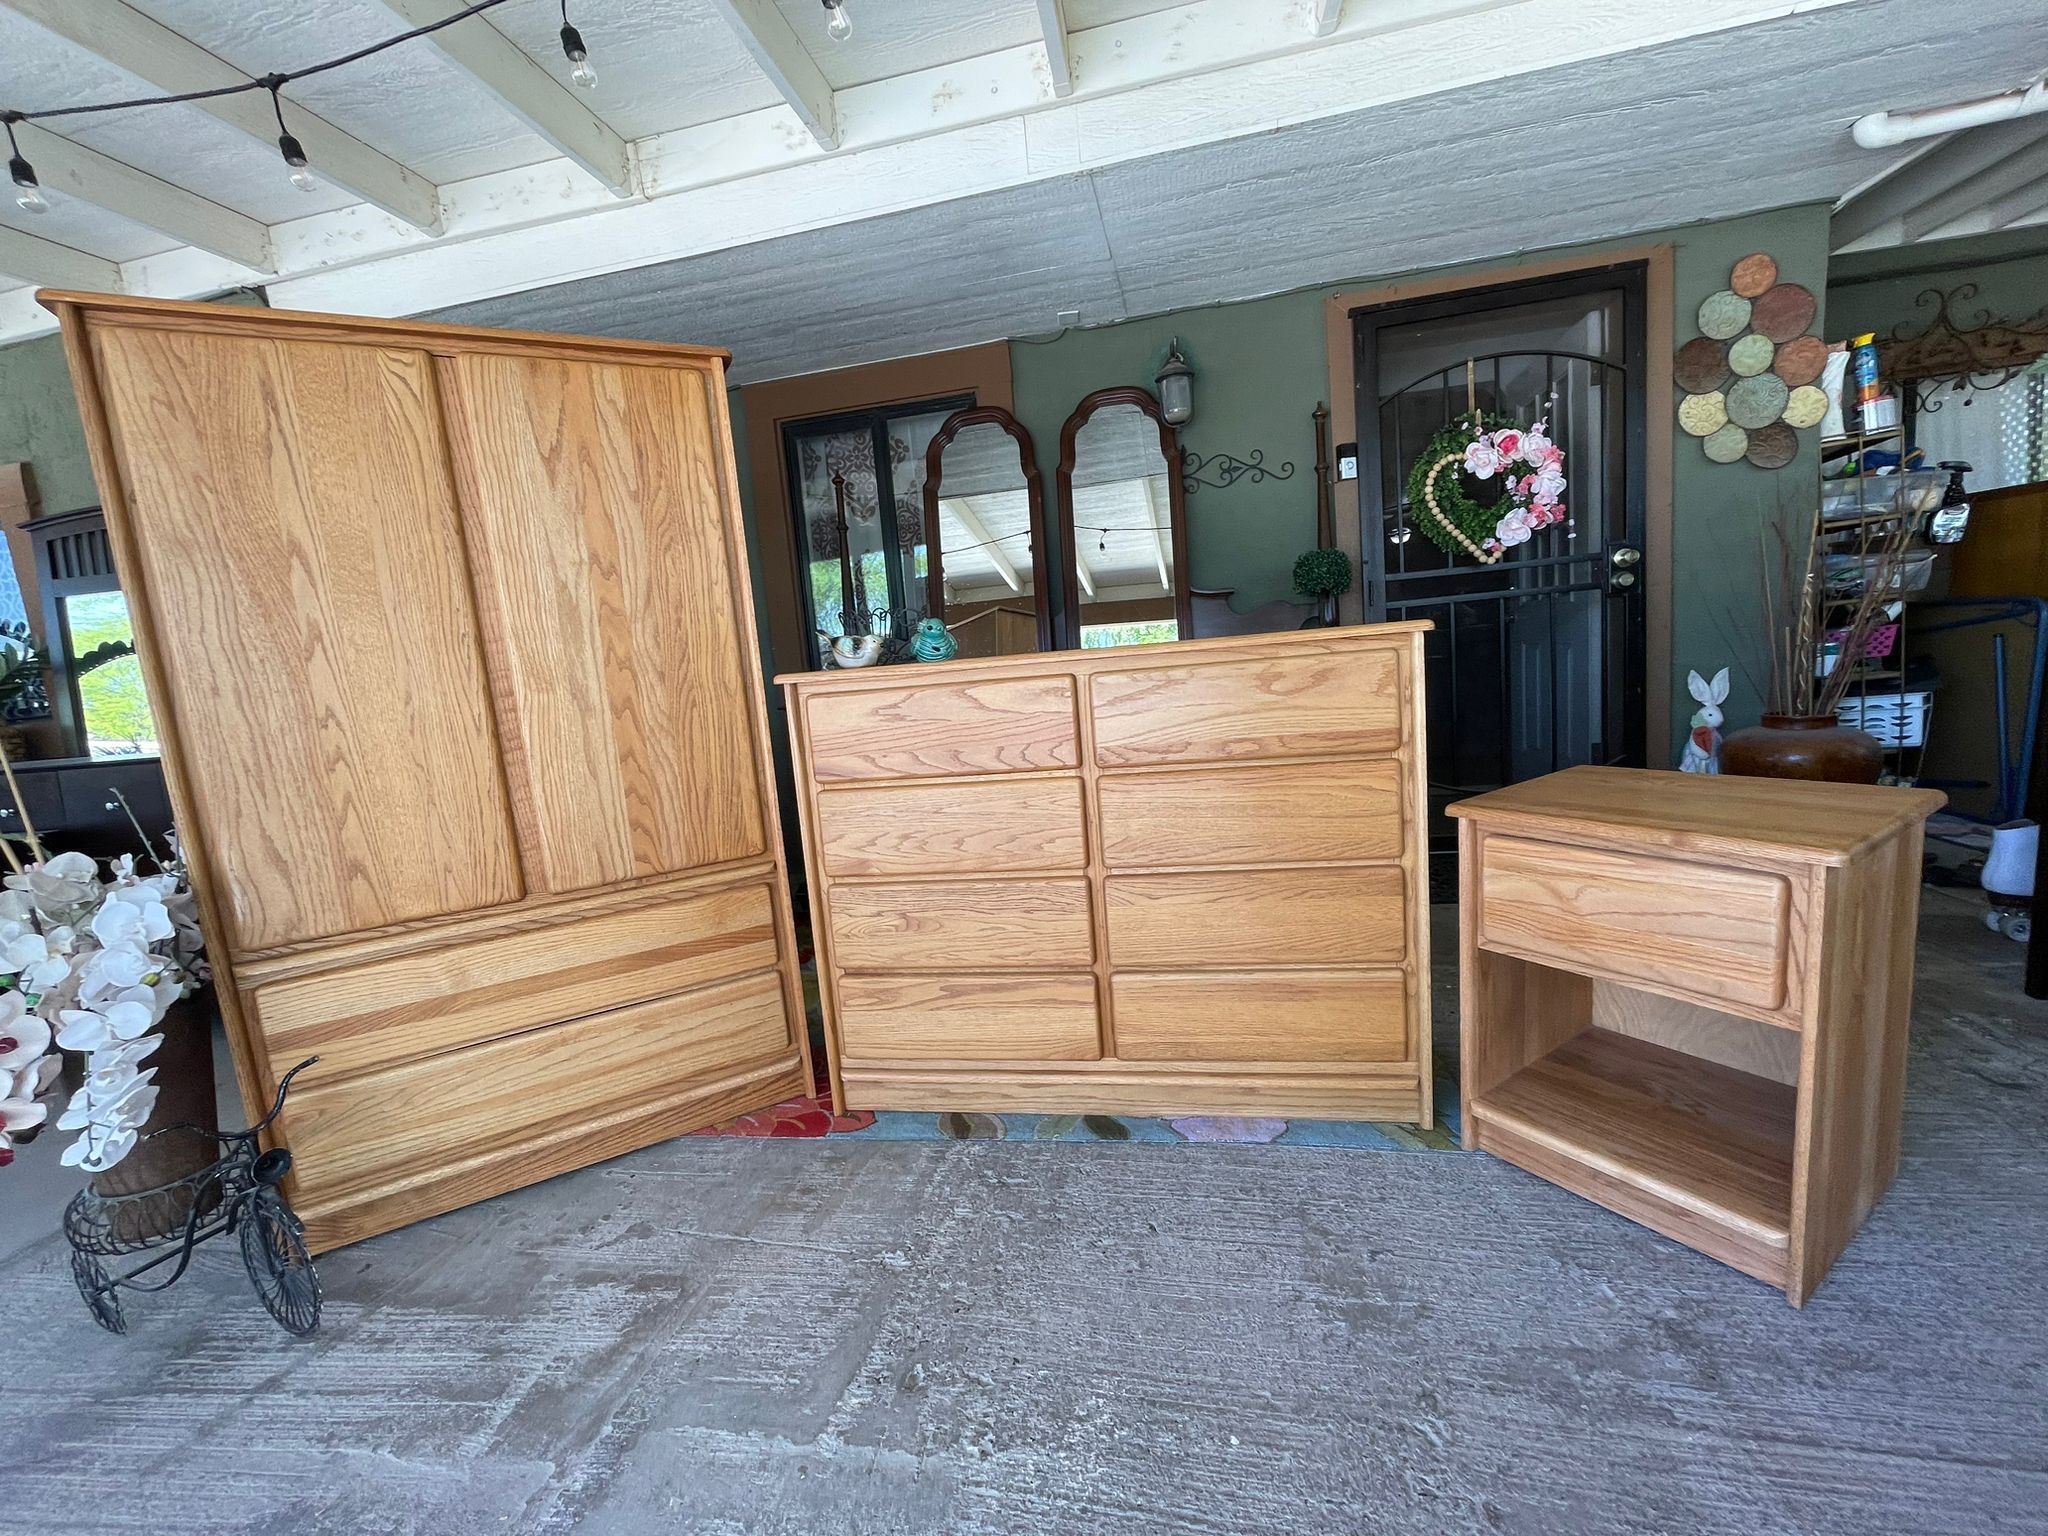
(1793, 561)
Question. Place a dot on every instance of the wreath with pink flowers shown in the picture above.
(1528, 465)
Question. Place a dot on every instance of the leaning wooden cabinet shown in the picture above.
(449, 639)
(1156, 880)
(1686, 998)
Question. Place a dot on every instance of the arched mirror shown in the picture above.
(984, 520)
(1122, 522)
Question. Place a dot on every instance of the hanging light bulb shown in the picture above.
(28, 192)
(574, 51)
(840, 27)
(288, 146)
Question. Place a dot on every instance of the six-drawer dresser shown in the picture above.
(1151, 880)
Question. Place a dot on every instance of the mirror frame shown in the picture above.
(935, 565)
(1176, 497)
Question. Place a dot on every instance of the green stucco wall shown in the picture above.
(2010, 287)
(1261, 368)
(39, 423)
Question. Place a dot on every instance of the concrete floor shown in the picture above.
(771, 1337)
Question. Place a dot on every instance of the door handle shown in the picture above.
(1624, 556)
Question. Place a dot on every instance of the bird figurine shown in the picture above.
(932, 642)
(851, 650)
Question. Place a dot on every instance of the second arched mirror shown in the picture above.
(984, 520)
(1122, 523)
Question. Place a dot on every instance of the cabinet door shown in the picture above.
(596, 498)
(304, 580)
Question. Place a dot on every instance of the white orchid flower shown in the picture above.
(71, 866)
(81, 1029)
(104, 1103)
(98, 1154)
(131, 915)
(19, 1110)
(24, 1038)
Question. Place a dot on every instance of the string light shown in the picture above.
(28, 193)
(840, 27)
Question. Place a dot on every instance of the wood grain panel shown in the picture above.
(1666, 924)
(1256, 917)
(991, 727)
(971, 827)
(1273, 814)
(1262, 1016)
(1345, 701)
(347, 1141)
(973, 924)
(593, 500)
(969, 1018)
(304, 574)
(389, 1011)
(1100, 1088)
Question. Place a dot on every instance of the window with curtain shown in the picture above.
(2001, 433)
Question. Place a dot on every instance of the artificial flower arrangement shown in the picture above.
(91, 964)
(1530, 467)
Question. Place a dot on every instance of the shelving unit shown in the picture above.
(1685, 998)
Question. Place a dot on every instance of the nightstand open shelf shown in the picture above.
(1699, 1151)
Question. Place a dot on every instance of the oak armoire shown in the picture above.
(451, 646)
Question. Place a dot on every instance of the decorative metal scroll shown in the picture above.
(1220, 471)
(1961, 348)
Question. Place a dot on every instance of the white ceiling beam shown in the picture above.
(131, 41)
(46, 264)
(2019, 204)
(1323, 16)
(1083, 571)
(1926, 176)
(1962, 203)
(1150, 501)
(64, 165)
(978, 535)
(782, 57)
(1059, 57)
(528, 91)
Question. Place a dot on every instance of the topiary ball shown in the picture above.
(1323, 573)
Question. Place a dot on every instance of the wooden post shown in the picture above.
(1326, 526)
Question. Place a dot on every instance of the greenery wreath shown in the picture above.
(1436, 484)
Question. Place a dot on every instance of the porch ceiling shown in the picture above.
(928, 182)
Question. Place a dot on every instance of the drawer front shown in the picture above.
(90, 797)
(969, 1018)
(370, 1015)
(350, 1137)
(965, 728)
(1276, 706)
(45, 801)
(1700, 930)
(1358, 1016)
(1280, 813)
(973, 827)
(976, 924)
(1256, 917)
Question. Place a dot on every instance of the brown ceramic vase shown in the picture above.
(1803, 747)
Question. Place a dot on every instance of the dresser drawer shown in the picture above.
(1359, 1016)
(44, 799)
(1256, 917)
(972, 827)
(969, 1018)
(377, 1012)
(1327, 704)
(933, 730)
(1705, 931)
(1277, 813)
(976, 924)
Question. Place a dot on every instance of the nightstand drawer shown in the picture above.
(1710, 931)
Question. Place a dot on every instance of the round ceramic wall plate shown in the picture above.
(1701, 365)
(1753, 275)
(1726, 445)
(1785, 312)
(1801, 360)
(1751, 354)
(1700, 415)
(1723, 315)
(1805, 406)
(1757, 402)
(1773, 447)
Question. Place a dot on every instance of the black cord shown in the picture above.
(271, 82)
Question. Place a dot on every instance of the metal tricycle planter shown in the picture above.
(237, 1193)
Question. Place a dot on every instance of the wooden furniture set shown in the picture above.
(449, 639)
(450, 645)
(1153, 881)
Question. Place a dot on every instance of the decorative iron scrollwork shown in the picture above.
(1962, 350)
(1220, 471)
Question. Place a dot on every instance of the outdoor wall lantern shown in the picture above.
(1176, 387)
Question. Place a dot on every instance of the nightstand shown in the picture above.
(1685, 997)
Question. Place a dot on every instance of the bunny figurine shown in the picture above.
(1703, 746)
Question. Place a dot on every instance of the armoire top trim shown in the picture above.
(176, 314)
